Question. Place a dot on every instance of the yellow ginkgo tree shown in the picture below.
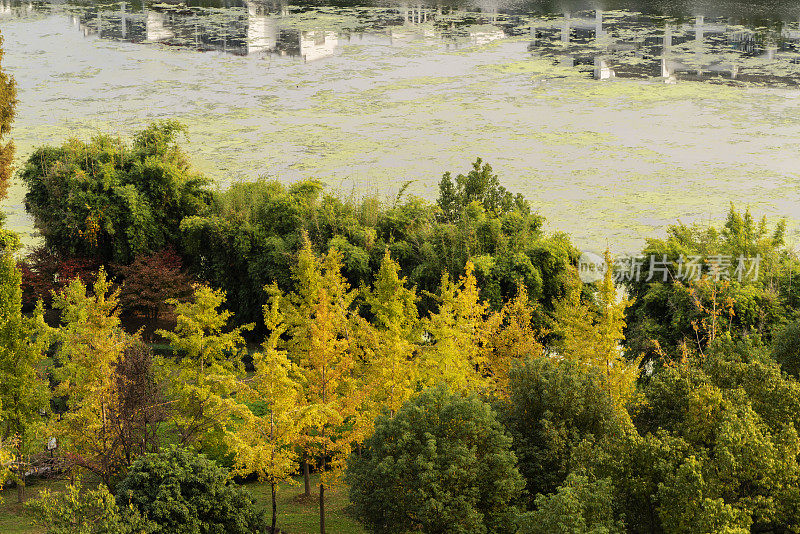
(319, 332)
(390, 374)
(91, 343)
(512, 339)
(203, 377)
(457, 331)
(591, 334)
(266, 440)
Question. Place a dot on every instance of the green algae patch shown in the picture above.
(536, 67)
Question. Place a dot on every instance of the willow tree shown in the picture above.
(8, 102)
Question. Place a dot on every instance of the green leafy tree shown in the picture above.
(734, 416)
(248, 240)
(24, 389)
(556, 407)
(479, 185)
(80, 510)
(442, 464)
(181, 492)
(580, 506)
(112, 201)
(688, 508)
(786, 348)
(667, 314)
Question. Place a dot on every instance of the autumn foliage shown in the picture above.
(152, 280)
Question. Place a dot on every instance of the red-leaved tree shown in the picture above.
(149, 282)
(44, 272)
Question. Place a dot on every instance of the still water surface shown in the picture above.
(614, 118)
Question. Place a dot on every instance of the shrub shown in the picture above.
(786, 348)
(443, 464)
(185, 493)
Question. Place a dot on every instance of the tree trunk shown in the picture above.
(274, 508)
(321, 508)
(20, 480)
(306, 476)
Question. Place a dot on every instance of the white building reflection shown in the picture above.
(262, 30)
(16, 9)
(317, 44)
(697, 49)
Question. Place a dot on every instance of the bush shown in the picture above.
(183, 492)
(79, 510)
(580, 505)
(443, 464)
(786, 348)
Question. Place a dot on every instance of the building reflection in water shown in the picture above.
(244, 28)
(637, 46)
(605, 45)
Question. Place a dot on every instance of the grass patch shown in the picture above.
(297, 514)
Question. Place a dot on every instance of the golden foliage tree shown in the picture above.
(91, 343)
(266, 441)
(591, 335)
(390, 374)
(320, 343)
(512, 340)
(203, 378)
(457, 331)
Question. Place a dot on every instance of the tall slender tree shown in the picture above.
(320, 343)
(591, 334)
(513, 338)
(390, 373)
(266, 441)
(8, 103)
(457, 330)
(205, 372)
(91, 344)
(23, 388)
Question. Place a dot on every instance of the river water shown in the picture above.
(614, 119)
